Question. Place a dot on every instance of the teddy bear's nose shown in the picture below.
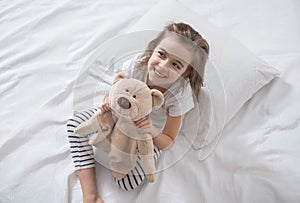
(124, 103)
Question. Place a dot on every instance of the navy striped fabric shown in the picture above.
(83, 155)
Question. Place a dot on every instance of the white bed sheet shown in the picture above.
(43, 46)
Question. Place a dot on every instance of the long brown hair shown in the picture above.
(194, 73)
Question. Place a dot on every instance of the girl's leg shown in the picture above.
(83, 158)
(87, 178)
(137, 175)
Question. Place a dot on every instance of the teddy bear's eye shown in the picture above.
(127, 90)
(133, 96)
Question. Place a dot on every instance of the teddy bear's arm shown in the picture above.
(89, 126)
(106, 122)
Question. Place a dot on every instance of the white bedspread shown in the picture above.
(43, 46)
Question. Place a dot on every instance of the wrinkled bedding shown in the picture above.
(45, 44)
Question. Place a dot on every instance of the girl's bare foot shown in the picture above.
(99, 200)
(93, 200)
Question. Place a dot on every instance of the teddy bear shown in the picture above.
(130, 100)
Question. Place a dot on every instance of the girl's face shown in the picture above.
(169, 60)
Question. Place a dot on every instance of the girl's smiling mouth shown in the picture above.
(158, 73)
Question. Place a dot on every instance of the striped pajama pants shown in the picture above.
(83, 155)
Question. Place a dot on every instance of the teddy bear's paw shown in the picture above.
(150, 178)
(118, 175)
(104, 128)
(92, 142)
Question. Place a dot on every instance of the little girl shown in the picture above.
(172, 63)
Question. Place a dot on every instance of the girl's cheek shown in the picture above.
(175, 75)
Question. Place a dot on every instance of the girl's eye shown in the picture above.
(161, 54)
(134, 96)
(175, 65)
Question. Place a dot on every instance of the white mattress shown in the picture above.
(43, 46)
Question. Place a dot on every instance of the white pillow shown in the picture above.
(233, 74)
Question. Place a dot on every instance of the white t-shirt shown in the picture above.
(178, 99)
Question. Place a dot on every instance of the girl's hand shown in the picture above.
(146, 126)
(143, 123)
(105, 107)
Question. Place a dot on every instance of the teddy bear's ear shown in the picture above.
(157, 98)
(120, 76)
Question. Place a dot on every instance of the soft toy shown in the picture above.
(130, 100)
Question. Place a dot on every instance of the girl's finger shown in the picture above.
(145, 124)
(141, 120)
(138, 122)
(105, 108)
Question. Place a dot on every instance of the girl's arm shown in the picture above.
(105, 105)
(166, 138)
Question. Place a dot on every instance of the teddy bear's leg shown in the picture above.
(118, 175)
(146, 152)
(122, 156)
